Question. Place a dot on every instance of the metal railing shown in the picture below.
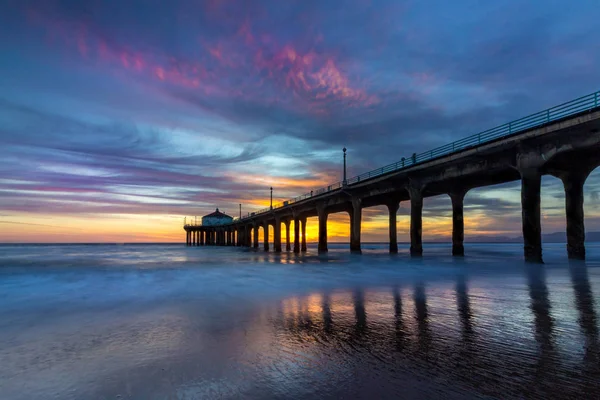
(573, 107)
(194, 221)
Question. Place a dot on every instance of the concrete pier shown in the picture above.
(416, 220)
(531, 180)
(559, 142)
(573, 184)
(303, 247)
(393, 229)
(355, 225)
(287, 235)
(277, 236)
(322, 213)
(266, 236)
(296, 235)
(458, 223)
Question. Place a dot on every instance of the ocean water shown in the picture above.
(176, 322)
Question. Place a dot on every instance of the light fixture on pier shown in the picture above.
(344, 180)
(271, 197)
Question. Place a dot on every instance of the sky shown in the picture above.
(118, 118)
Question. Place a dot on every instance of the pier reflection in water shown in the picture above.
(261, 326)
(379, 338)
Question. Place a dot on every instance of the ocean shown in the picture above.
(174, 322)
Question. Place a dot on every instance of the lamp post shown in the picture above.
(344, 181)
(240, 210)
(271, 197)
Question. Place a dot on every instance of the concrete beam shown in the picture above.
(322, 248)
(530, 204)
(393, 229)
(277, 235)
(303, 247)
(416, 220)
(458, 223)
(266, 236)
(296, 235)
(573, 182)
(355, 224)
(287, 234)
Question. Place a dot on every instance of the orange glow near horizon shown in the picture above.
(137, 228)
(166, 228)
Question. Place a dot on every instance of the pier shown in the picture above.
(563, 141)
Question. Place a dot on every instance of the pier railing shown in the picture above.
(573, 107)
(191, 222)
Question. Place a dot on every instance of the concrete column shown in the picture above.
(573, 183)
(322, 229)
(458, 223)
(303, 247)
(393, 230)
(266, 235)
(416, 221)
(277, 236)
(256, 227)
(531, 180)
(201, 238)
(229, 237)
(187, 238)
(355, 225)
(197, 234)
(296, 235)
(287, 235)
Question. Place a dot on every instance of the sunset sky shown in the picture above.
(120, 118)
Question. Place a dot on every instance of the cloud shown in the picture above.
(154, 107)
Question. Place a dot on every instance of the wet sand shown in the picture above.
(169, 322)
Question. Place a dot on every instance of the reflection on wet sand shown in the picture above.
(588, 322)
(464, 307)
(478, 357)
